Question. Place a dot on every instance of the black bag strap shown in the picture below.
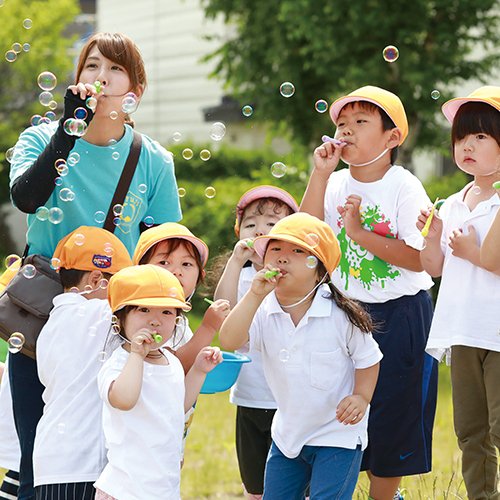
(125, 180)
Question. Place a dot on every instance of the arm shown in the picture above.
(227, 288)
(353, 408)
(205, 361)
(234, 331)
(33, 188)
(391, 250)
(490, 249)
(125, 390)
(205, 333)
(326, 158)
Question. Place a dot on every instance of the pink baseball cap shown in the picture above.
(259, 192)
(488, 94)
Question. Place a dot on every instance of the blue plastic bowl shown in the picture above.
(224, 375)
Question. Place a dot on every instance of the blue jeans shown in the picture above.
(28, 405)
(330, 472)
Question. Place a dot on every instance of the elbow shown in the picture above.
(228, 341)
(489, 263)
(122, 405)
(22, 203)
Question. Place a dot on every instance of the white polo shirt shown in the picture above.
(310, 368)
(69, 443)
(251, 389)
(144, 443)
(10, 451)
(390, 208)
(468, 303)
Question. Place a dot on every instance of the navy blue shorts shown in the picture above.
(404, 403)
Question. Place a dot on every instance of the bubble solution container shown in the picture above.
(224, 375)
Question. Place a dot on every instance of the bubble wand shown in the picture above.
(270, 274)
(425, 229)
(337, 142)
(496, 185)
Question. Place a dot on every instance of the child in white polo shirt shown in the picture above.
(466, 316)
(319, 359)
(257, 211)
(69, 452)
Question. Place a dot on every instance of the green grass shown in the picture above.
(211, 471)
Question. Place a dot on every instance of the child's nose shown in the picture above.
(154, 322)
(282, 259)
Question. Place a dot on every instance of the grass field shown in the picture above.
(211, 471)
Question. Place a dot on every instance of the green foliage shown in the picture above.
(49, 51)
(329, 48)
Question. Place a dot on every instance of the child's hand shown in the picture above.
(216, 314)
(142, 342)
(351, 409)
(265, 281)
(207, 359)
(350, 215)
(244, 251)
(464, 245)
(326, 158)
(436, 226)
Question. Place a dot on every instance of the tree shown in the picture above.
(48, 50)
(327, 49)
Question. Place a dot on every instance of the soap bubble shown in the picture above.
(284, 355)
(55, 263)
(74, 126)
(181, 192)
(11, 259)
(35, 120)
(99, 216)
(115, 155)
(16, 342)
(28, 24)
(390, 53)
(476, 190)
(42, 213)
(311, 262)
(58, 181)
(287, 89)
(278, 169)
(9, 154)
(79, 239)
(28, 271)
(321, 106)
(187, 154)
(103, 284)
(117, 221)
(26, 47)
(435, 94)
(149, 221)
(118, 209)
(17, 47)
(73, 158)
(56, 215)
(62, 169)
(113, 115)
(52, 105)
(47, 80)
(80, 113)
(205, 155)
(312, 239)
(50, 115)
(10, 56)
(66, 195)
(142, 188)
(210, 192)
(91, 103)
(177, 136)
(129, 103)
(44, 120)
(217, 131)
(109, 250)
(115, 329)
(247, 110)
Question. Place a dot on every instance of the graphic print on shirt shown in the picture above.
(356, 261)
(130, 212)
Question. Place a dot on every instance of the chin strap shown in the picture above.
(307, 296)
(371, 161)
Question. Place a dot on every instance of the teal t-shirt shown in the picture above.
(152, 197)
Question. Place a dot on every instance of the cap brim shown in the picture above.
(155, 302)
(450, 108)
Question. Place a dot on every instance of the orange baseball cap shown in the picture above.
(167, 231)
(89, 248)
(308, 232)
(488, 94)
(384, 99)
(258, 193)
(9, 273)
(146, 285)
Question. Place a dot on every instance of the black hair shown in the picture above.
(277, 206)
(72, 277)
(387, 123)
(473, 118)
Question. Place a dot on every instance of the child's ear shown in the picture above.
(94, 278)
(394, 138)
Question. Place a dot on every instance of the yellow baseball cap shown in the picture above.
(258, 193)
(89, 248)
(167, 231)
(488, 94)
(384, 99)
(9, 273)
(146, 285)
(308, 232)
